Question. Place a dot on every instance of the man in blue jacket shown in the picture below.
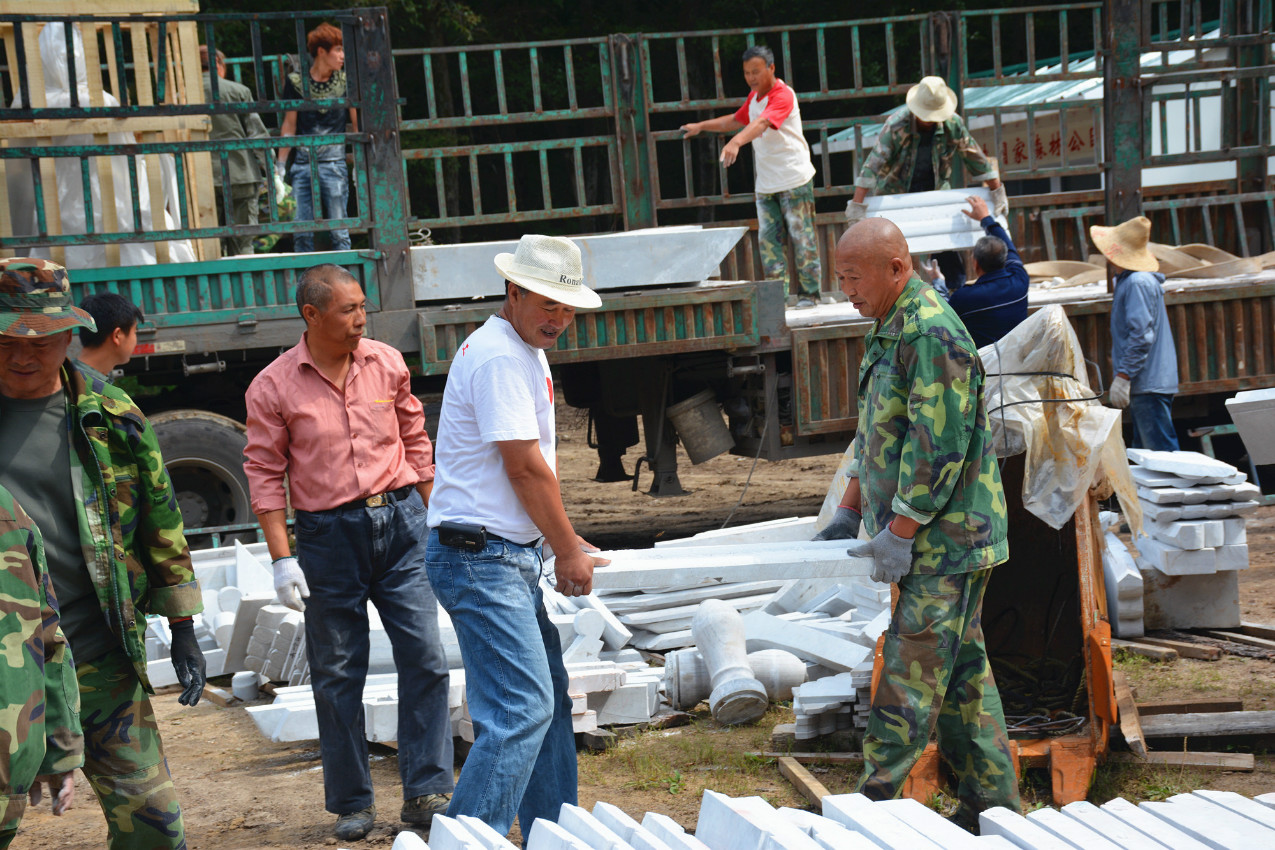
(1143, 358)
(997, 300)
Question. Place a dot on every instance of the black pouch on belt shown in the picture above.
(459, 535)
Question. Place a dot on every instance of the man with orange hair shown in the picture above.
(326, 80)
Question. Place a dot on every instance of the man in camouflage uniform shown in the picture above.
(86, 464)
(926, 484)
(770, 119)
(38, 697)
(914, 153)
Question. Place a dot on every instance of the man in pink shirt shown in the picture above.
(785, 188)
(335, 414)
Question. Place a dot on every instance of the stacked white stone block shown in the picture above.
(1216, 820)
(1123, 581)
(1195, 542)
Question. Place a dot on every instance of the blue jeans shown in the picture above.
(334, 191)
(350, 556)
(524, 758)
(1153, 422)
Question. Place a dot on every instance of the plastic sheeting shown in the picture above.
(1040, 403)
(70, 185)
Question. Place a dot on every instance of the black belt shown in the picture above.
(380, 499)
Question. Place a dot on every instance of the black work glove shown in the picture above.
(844, 525)
(188, 661)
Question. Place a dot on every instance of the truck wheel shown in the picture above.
(203, 452)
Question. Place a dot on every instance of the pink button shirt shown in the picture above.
(334, 446)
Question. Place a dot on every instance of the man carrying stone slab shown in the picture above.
(925, 484)
(496, 498)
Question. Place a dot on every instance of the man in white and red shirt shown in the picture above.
(771, 120)
(335, 416)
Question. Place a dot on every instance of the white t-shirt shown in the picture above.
(499, 388)
(781, 155)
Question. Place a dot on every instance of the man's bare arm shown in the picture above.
(537, 489)
(274, 525)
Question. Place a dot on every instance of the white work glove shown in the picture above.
(891, 555)
(281, 189)
(844, 525)
(1000, 201)
(289, 583)
(1119, 393)
(855, 212)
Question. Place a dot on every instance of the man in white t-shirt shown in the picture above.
(785, 187)
(495, 499)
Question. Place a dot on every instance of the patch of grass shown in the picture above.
(1143, 782)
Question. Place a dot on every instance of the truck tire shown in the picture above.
(203, 452)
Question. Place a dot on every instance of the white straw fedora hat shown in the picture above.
(1125, 245)
(931, 100)
(548, 266)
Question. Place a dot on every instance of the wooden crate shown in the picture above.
(183, 85)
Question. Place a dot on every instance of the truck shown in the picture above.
(460, 149)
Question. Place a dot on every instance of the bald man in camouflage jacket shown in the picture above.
(927, 489)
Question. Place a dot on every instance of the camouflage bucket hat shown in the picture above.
(35, 299)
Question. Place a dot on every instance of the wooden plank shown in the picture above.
(92, 59)
(102, 7)
(190, 88)
(1156, 653)
(13, 130)
(812, 758)
(1130, 726)
(1257, 630)
(1221, 761)
(1237, 637)
(1185, 648)
(1150, 709)
(803, 780)
(220, 696)
(1201, 724)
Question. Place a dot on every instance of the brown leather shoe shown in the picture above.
(420, 811)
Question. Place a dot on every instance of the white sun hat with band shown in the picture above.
(931, 100)
(548, 266)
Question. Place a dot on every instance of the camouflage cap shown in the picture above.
(35, 299)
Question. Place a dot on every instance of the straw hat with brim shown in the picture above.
(931, 100)
(1125, 245)
(35, 299)
(548, 266)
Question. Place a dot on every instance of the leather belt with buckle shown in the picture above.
(379, 500)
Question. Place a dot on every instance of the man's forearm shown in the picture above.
(752, 131)
(541, 498)
(274, 525)
(859, 194)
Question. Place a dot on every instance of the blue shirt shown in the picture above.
(1141, 342)
(995, 304)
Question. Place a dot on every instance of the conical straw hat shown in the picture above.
(1125, 245)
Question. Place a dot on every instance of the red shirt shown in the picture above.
(334, 446)
(779, 103)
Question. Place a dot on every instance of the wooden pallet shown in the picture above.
(183, 85)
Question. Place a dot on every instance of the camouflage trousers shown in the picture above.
(124, 758)
(936, 674)
(787, 216)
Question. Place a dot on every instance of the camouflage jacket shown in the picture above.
(130, 525)
(38, 691)
(888, 169)
(923, 448)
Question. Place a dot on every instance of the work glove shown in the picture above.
(855, 212)
(1119, 393)
(289, 583)
(188, 661)
(1000, 201)
(891, 555)
(281, 189)
(844, 525)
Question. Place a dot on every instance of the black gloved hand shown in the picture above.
(844, 525)
(188, 661)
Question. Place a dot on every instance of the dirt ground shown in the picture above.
(239, 790)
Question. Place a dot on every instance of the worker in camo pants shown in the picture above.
(926, 486)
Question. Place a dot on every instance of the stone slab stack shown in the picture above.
(1195, 542)
(1219, 820)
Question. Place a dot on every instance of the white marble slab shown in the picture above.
(1183, 464)
(1189, 534)
(626, 827)
(1237, 803)
(547, 835)
(489, 838)
(765, 631)
(670, 832)
(930, 824)
(589, 829)
(856, 812)
(638, 569)
(1018, 830)
(1110, 826)
(1070, 830)
(1210, 825)
(1150, 825)
(730, 823)
(1173, 561)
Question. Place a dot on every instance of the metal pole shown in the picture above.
(1123, 124)
(631, 127)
